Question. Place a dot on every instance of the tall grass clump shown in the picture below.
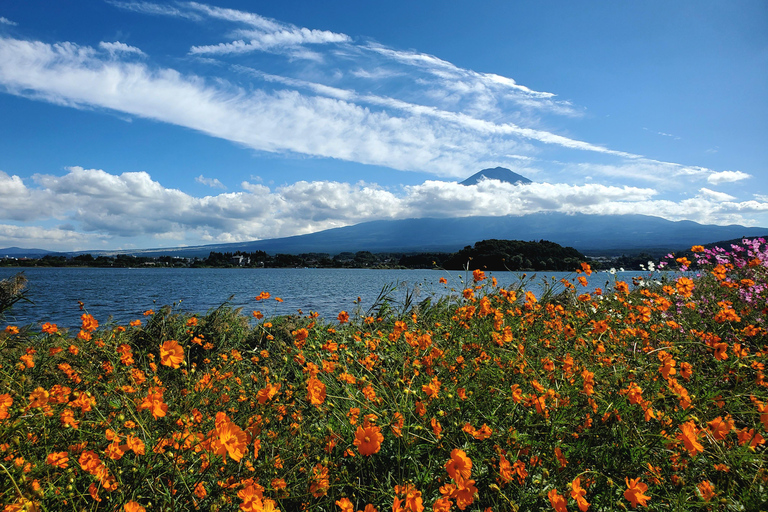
(653, 397)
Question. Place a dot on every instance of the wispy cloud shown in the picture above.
(210, 182)
(155, 9)
(6, 21)
(120, 48)
(663, 134)
(425, 139)
(663, 175)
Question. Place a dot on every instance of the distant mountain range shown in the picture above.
(593, 235)
(18, 252)
(590, 234)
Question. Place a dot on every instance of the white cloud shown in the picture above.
(52, 239)
(665, 175)
(6, 21)
(727, 176)
(271, 121)
(210, 182)
(715, 195)
(264, 34)
(117, 47)
(271, 41)
(155, 9)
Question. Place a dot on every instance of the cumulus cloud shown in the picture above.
(715, 195)
(97, 205)
(210, 182)
(727, 176)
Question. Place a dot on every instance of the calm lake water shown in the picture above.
(124, 294)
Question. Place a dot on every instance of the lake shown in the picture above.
(125, 293)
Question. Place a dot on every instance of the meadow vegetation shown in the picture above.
(632, 397)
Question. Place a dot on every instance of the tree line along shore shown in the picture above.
(513, 255)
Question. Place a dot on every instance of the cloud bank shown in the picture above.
(96, 206)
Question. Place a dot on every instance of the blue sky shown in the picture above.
(137, 124)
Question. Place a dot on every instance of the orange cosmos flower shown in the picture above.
(697, 248)
(483, 433)
(690, 436)
(89, 461)
(437, 428)
(191, 322)
(368, 440)
(316, 391)
(50, 328)
(263, 296)
(431, 389)
(135, 444)
(171, 354)
(353, 414)
(557, 501)
(560, 457)
(412, 500)
(345, 505)
(231, 437)
(320, 481)
(343, 317)
(460, 466)
(505, 469)
(442, 280)
(89, 323)
(397, 425)
(267, 393)
(749, 435)
(132, 506)
(154, 402)
(579, 494)
(707, 490)
(38, 398)
(719, 427)
(684, 286)
(58, 459)
(478, 275)
(464, 493)
(635, 492)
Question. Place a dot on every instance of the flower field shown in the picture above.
(633, 397)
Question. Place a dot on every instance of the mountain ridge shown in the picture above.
(590, 234)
